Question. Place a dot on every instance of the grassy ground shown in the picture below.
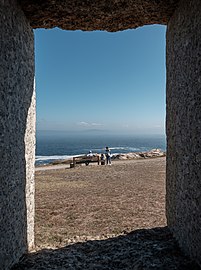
(96, 201)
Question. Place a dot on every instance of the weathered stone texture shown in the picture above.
(29, 140)
(17, 107)
(184, 126)
(110, 15)
(16, 96)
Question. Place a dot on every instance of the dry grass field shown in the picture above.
(87, 218)
(94, 202)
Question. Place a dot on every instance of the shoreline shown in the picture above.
(116, 158)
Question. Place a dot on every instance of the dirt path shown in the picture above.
(51, 167)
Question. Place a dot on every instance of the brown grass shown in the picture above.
(96, 201)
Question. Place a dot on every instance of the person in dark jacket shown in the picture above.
(108, 155)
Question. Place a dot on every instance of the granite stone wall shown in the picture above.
(17, 139)
(184, 126)
(109, 15)
(17, 109)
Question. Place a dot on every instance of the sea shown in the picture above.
(60, 145)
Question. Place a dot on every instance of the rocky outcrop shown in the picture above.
(137, 155)
(121, 156)
(113, 15)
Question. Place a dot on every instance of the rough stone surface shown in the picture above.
(151, 249)
(184, 126)
(29, 140)
(110, 15)
(17, 102)
(16, 141)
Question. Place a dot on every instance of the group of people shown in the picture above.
(105, 158)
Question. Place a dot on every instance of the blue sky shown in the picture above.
(113, 82)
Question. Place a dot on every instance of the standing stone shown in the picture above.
(17, 138)
(184, 126)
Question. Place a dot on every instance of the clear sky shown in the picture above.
(113, 82)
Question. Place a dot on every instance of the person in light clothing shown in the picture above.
(90, 154)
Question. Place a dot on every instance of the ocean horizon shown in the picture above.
(60, 145)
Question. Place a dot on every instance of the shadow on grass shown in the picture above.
(141, 249)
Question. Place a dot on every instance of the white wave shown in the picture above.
(125, 148)
(117, 150)
(118, 147)
(45, 158)
(111, 148)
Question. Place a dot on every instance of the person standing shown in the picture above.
(102, 159)
(108, 155)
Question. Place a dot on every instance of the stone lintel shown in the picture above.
(109, 15)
